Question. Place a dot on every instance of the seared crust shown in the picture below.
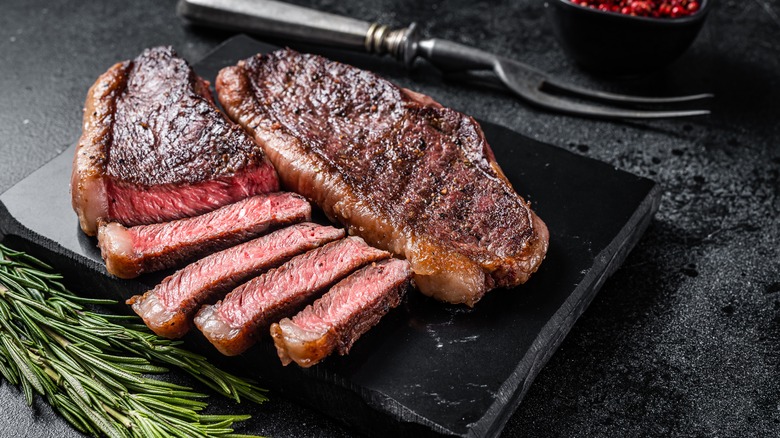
(420, 180)
(154, 147)
(167, 129)
(87, 185)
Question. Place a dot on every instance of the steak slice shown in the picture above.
(129, 252)
(234, 324)
(336, 320)
(169, 307)
(395, 167)
(154, 147)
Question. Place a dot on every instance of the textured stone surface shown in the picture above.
(683, 340)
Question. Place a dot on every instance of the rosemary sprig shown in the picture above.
(92, 367)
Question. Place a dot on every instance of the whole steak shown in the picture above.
(154, 147)
(395, 167)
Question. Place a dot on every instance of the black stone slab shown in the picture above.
(427, 368)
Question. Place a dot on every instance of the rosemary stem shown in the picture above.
(119, 417)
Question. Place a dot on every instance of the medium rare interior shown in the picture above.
(129, 252)
(340, 317)
(169, 307)
(235, 323)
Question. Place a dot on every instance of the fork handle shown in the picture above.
(450, 56)
(290, 22)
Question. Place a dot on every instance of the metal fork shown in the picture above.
(458, 61)
(465, 63)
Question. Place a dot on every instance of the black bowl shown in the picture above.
(619, 44)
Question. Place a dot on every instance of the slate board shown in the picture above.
(427, 368)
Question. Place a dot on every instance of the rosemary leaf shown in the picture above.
(112, 317)
(160, 390)
(63, 356)
(76, 334)
(221, 418)
(145, 428)
(18, 300)
(222, 426)
(164, 384)
(20, 281)
(39, 274)
(145, 369)
(8, 373)
(98, 389)
(103, 423)
(166, 408)
(10, 284)
(29, 276)
(177, 401)
(218, 431)
(22, 257)
(71, 412)
(27, 390)
(29, 317)
(104, 366)
(239, 435)
(5, 311)
(48, 378)
(23, 365)
(122, 359)
(173, 425)
(72, 381)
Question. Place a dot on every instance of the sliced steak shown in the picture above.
(394, 166)
(129, 252)
(234, 324)
(169, 307)
(336, 320)
(154, 147)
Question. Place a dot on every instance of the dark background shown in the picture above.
(683, 340)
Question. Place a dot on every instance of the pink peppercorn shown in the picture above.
(644, 8)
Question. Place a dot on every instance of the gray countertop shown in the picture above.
(684, 339)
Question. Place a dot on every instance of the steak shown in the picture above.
(395, 167)
(129, 252)
(154, 147)
(169, 307)
(235, 323)
(336, 320)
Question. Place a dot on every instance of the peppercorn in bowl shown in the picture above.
(626, 37)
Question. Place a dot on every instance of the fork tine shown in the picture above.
(583, 109)
(548, 101)
(620, 98)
